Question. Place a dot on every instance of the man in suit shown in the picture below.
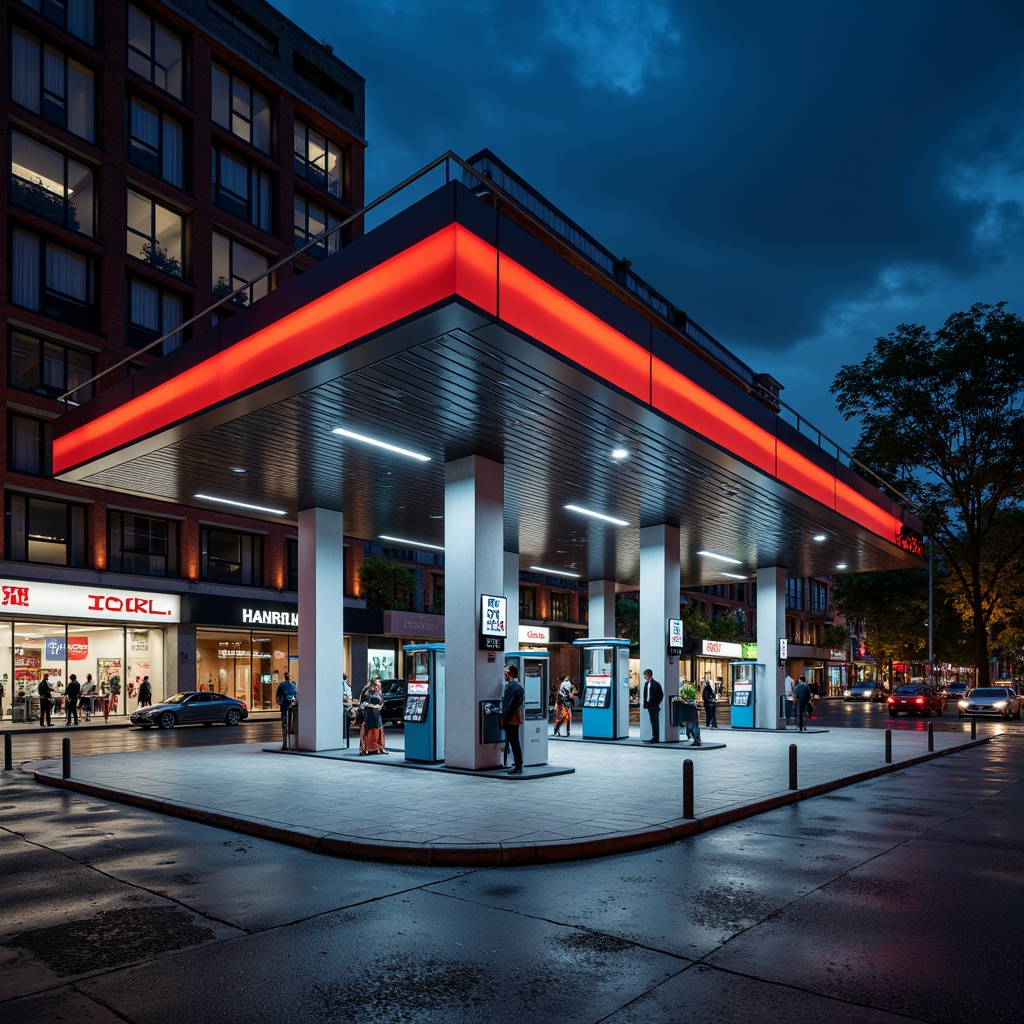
(512, 698)
(653, 696)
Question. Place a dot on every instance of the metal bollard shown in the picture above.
(688, 788)
(792, 766)
(8, 759)
(931, 738)
(888, 746)
(974, 728)
(66, 750)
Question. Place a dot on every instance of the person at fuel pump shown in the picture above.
(710, 704)
(371, 731)
(512, 698)
(802, 696)
(71, 697)
(286, 699)
(653, 696)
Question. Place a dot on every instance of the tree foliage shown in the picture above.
(627, 619)
(942, 417)
(386, 584)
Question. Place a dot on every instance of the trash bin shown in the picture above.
(490, 722)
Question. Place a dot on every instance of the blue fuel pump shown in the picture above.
(605, 690)
(746, 677)
(534, 675)
(424, 702)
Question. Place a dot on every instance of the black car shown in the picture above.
(191, 708)
(393, 691)
(916, 700)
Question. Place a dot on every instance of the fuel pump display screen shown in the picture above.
(417, 694)
(741, 694)
(532, 682)
(599, 696)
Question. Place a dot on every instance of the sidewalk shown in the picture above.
(617, 796)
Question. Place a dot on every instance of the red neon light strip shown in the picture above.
(453, 262)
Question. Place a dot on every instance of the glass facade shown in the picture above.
(244, 665)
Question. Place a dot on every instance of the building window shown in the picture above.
(559, 607)
(42, 530)
(52, 185)
(317, 159)
(152, 313)
(310, 221)
(240, 109)
(156, 142)
(584, 607)
(76, 16)
(142, 544)
(154, 52)
(26, 444)
(234, 265)
(242, 189)
(527, 603)
(51, 84)
(229, 557)
(291, 563)
(52, 280)
(48, 367)
(154, 233)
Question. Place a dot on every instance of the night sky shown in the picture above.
(800, 177)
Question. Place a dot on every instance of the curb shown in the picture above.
(487, 855)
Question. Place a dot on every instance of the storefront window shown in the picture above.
(145, 657)
(382, 662)
(246, 666)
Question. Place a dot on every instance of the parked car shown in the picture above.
(991, 700)
(864, 691)
(191, 708)
(956, 691)
(393, 710)
(916, 699)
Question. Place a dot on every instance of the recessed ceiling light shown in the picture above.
(732, 575)
(620, 453)
(381, 444)
(596, 515)
(720, 558)
(238, 469)
(820, 537)
(241, 504)
(841, 565)
(412, 543)
(555, 572)
(437, 517)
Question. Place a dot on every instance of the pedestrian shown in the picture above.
(286, 700)
(802, 696)
(3, 693)
(710, 704)
(115, 691)
(688, 711)
(788, 696)
(371, 733)
(145, 693)
(86, 698)
(568, 692)
(563, 716)
(45, 700)
(71, 698)
(346, 697)
(653, 696)
(512, 716)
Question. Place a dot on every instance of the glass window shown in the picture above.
(43, 530)
(53, 280)
(154, 233)
(77, 16)
(155, 52)
(240, 109)
(145, 657)
(310, 221)
(51, 184)
(51, 84)
(142, 544)
(317, 159)
(527, 603)
(560, 607)
(152, 313)
(291, 561)
(26, 444)
(234, 265)
(156, 142)
(48, 367)
(229, 557)
(242, 189)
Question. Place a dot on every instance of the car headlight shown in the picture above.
(846, 693)
(1000, 704)
(961, 704)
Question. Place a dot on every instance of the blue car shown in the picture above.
(192, 708)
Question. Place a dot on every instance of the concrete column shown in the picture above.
(771, 627)
(321, 629)
(358, 670)
(659, 602)
(601, 614)
(179, 661)
(512, 596)
(474, 559)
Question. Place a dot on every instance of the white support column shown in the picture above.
(601, 608)
(474, 560)
(659, 602)
(321, 629)
(771, 627)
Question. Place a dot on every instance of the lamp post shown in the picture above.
(931, 617)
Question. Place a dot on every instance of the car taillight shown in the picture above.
(920, 700)
(891, 700)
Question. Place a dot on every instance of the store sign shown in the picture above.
(62, 601)
(261, 617)
(492, 623)
(783, 649)
(720, 649)
(749, 650)
(675, 636)
(76, 648)
(534, 635)
(421, 625)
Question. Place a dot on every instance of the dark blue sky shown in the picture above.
(800, 177)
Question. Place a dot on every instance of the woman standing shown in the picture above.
(371, 733)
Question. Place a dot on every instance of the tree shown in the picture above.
(724, 626)
(386, 584)
(836, 637)
(627, 619)
(941, 417)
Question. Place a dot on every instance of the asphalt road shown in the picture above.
(897, 899)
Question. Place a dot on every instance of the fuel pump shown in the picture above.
(533, 669)
(424, 702)
(605, 687)
(747, 677)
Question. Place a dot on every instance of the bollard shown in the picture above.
(931, 738)
(8, 760)
(66, 749)
(974, 728)
(792, 766)
(687, 788)
(888, 746)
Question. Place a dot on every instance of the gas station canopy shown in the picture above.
(455, 329)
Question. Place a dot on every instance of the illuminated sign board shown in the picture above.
(62, 601)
